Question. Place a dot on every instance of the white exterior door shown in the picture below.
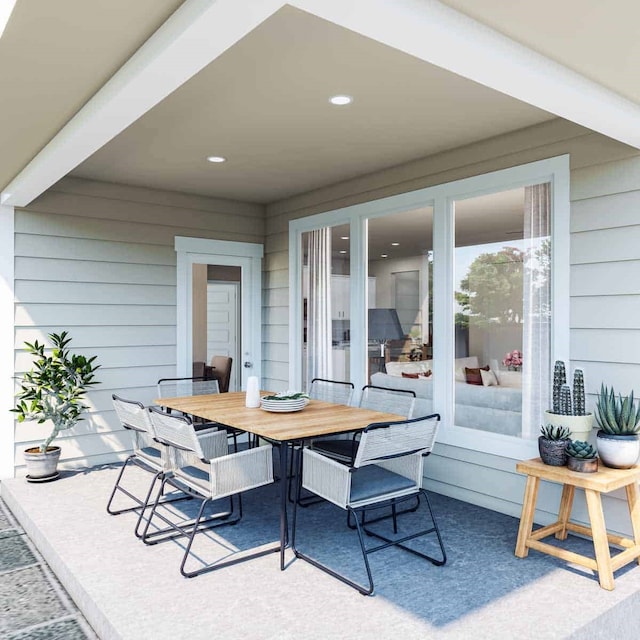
(222, 325)
(248, 257)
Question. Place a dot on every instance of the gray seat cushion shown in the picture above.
(372, 481)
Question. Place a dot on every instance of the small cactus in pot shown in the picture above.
(552, 445)
(569, 406)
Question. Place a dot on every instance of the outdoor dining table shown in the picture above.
(317, 419)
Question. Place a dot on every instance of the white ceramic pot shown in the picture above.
(619, 452)
(41, 466)
(579, 426)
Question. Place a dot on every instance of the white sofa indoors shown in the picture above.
(495, 408)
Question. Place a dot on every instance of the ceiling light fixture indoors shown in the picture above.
(395, 244)
(343, 251)
(384, 255)
(344, 237)
(216, 159)
(340, 100)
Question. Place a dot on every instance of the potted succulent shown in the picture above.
(52, 390)
(582, 456)
(619, 421)
(568, 412)
(552, 445)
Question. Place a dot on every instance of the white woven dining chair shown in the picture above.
(205, 469)
(387, 470)
(147, 454)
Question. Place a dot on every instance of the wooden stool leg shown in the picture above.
(566, 503)
(600, 541)
(634, 511)
(526, 519)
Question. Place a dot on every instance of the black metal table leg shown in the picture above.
(284, 525)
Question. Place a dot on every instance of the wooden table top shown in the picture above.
(605, 479)
(316, 419)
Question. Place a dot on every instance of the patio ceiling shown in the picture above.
(262, 101)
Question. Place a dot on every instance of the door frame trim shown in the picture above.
(246, 255)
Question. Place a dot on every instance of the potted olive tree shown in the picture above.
(619, 421)
(53, 391)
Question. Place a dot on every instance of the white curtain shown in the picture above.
(319, 335)
(537, 308)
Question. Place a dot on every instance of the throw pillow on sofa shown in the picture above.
(488, 378)
(473, 375)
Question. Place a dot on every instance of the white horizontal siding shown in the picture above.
(60, 269)
(104, 336)
(99, 261)
(606, 279)
(618, 312)
(606, 245)
(117, 293)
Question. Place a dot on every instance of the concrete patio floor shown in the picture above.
(128, 590)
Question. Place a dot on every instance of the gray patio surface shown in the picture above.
(128, 590)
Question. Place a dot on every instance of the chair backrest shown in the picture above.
(331, 390)
(132, 415)
(177, 387)
(399, 401)
(175, 431)
(221, 371)
(383, 441)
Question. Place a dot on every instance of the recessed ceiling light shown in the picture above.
(343, 251)
(344, 237)
(216, 159)
(384, 255)
(340, 100)
(395, 244)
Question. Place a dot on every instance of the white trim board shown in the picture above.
(7, 340)
(200, 31)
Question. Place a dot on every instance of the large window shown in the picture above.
(503, 310)
(472, 280)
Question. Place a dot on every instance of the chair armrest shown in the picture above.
(410, 466)
(241, 471)
(325, 477)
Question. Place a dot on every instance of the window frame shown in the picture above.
(555, 171)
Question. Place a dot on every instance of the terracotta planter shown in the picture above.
(553, 452)
(42, 467)
(619, 452)
(580, 426)
(583, 465)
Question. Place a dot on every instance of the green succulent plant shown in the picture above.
(617, 416)
(582, 450)
(551, 432)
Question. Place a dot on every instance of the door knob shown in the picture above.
(248, 365)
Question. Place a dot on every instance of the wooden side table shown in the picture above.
(594, 484)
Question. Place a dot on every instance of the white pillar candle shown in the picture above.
(252, 399)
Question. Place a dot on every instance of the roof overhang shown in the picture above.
(201, 30)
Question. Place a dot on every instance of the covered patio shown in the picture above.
(127, 590)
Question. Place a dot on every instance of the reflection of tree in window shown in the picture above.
(492, 291)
